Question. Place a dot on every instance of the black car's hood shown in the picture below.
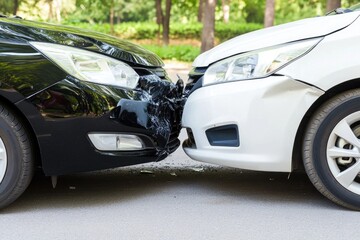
(22, 30)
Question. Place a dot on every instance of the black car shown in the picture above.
(73, 100)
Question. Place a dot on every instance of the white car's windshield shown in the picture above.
(356, 7)
(353, 8)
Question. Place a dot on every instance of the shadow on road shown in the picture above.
(223, 186)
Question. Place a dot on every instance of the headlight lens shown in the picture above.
(89, 66)
(256, 64)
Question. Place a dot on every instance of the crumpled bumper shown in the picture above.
(64, 114)
(157, 107)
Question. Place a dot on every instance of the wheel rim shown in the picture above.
(343, 152)
(3, 160)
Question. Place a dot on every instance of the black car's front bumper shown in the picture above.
(64, 114)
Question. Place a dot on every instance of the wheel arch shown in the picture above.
(297, 147)
(29, 129)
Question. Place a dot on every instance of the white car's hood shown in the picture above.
(307, 28)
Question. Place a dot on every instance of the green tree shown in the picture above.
(10, 6)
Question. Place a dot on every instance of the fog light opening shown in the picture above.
(116, 142)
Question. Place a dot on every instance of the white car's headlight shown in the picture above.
(88, 66)
(257, 64)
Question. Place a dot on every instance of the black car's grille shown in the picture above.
(160, 72)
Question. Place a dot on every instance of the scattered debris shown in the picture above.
(72, 188)
(271, 179)
(146, 172)
(197, 169)
(173, 174)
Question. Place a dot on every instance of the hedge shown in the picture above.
(186, 53)
(144, 30)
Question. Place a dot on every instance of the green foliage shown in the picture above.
(226, 31)
(292, 10)
(254, 10)
(186, 53)
(98, 11)
(177, 31)
(6, 7)
(184, 11)
(90, 11)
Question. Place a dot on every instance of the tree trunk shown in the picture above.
(58, 6)
(118, 18)
(332, 4)
(208, 32)
(166, 22)
(226, 10)
(269, 13)
(112, 15)
(159, 12)
(201, 10)
(16, 7)
(50, 15)
(159, 17)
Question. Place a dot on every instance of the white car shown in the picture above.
(274, 98)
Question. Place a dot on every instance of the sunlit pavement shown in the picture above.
(176, 199)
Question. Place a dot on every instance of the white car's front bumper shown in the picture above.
(267, 113)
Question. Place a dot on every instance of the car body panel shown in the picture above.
(64, 114)
(25, 70)
(326, 68)
(268, 111)
(258, 108)
(61, 110)
(294, 31)
(21, 31)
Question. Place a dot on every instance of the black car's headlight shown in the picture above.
(257, 64)
(89, 66)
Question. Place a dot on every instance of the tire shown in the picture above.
(331, 149)
(16, 158)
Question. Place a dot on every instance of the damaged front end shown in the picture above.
(156, 107)
(72, 110)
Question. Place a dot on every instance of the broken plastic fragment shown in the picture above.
(146, 172)
(157, 107)
(197, 169)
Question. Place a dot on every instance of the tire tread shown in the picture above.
(27, 168)
(311, 131)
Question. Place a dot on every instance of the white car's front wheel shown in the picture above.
(331, 149)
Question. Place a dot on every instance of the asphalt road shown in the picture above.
(176, 199)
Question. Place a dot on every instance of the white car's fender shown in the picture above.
(303, 29)
(325, 68)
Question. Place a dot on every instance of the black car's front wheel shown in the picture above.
(16, 158)
(331, 149)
